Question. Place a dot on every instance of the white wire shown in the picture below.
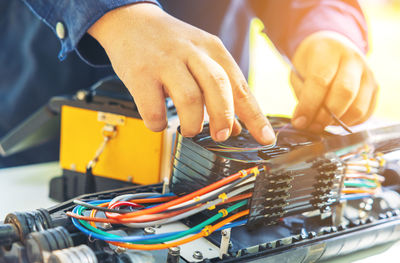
(190, 212)
(205, 196)
(363, 163)
(363, 169)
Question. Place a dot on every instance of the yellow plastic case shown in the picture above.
(135, 154)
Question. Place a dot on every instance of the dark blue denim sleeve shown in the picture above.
(75, 17)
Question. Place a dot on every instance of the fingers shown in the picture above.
(246, 106)
(319, 76)
(214, 83)
(187, 98)
(151, 108)
(364, 103)
(341, 95)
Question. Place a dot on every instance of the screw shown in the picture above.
(105, 225)
(173, 255)
(174, 251)
(81, 95)
(149, 231)
(224, 232)
(120, 250)
(197, 255)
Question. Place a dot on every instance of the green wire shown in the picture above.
(194, 229)
(355, 184)
(197, 228)
(90, 227)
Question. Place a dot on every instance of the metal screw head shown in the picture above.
(120, 250)
(174, 251)
(197, 255)
(60, 30)
(81, 95)
(106, 225)
(224, 232)
(149, 231)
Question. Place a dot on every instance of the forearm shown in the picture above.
(288, 22)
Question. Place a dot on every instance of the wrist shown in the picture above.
(113, 23)
(324, 40)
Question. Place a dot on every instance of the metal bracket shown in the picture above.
(111, 119)
(225, 240)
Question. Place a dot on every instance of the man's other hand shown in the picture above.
(335, 76)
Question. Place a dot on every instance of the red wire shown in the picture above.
(125, 203)
(141, 219)
(153, 200)
(185, 198)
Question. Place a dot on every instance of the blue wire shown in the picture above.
(134, 238)
(354, 196)
(233, 224)
(161, 195)
(120, 239)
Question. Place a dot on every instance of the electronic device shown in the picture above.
(217, 206)
(104, 143)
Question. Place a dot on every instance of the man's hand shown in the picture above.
(335, 75)
(157, 55)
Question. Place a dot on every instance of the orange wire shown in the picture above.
(94, 212)
(357, 191)
(185, 198)
(182, 241)
(353, 171)
(236, 198)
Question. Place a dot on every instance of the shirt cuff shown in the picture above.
(70, 20)
(335, 16)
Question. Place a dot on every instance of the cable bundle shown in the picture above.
(362, 178)
(152, 209)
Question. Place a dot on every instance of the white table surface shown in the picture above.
(27, 187)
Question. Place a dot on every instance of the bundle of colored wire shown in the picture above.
(93, 231)
(361, 173)
(150, 209)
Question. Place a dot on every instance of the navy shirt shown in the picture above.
(35, 64)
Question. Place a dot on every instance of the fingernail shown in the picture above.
(268, 135)
(316, 128)
(222, 135)
(300, 122)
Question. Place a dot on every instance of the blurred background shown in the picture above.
(271, 80)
